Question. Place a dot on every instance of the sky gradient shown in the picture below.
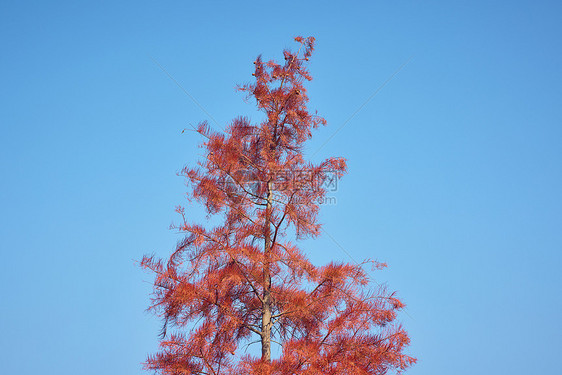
(455, 166)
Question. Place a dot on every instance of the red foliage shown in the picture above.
(244, 279)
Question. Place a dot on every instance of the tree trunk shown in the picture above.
(266, 329)
(266, 305)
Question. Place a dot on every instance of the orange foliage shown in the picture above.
(243, 280)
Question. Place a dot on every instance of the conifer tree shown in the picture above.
(246, 280)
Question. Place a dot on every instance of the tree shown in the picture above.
(244, 279)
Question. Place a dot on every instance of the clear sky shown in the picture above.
(455, 166)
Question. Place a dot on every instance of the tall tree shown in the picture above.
(244, 279)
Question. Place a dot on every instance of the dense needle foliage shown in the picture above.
(245, 280)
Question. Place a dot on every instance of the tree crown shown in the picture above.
(245, 278)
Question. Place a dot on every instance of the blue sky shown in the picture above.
(454, 178)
